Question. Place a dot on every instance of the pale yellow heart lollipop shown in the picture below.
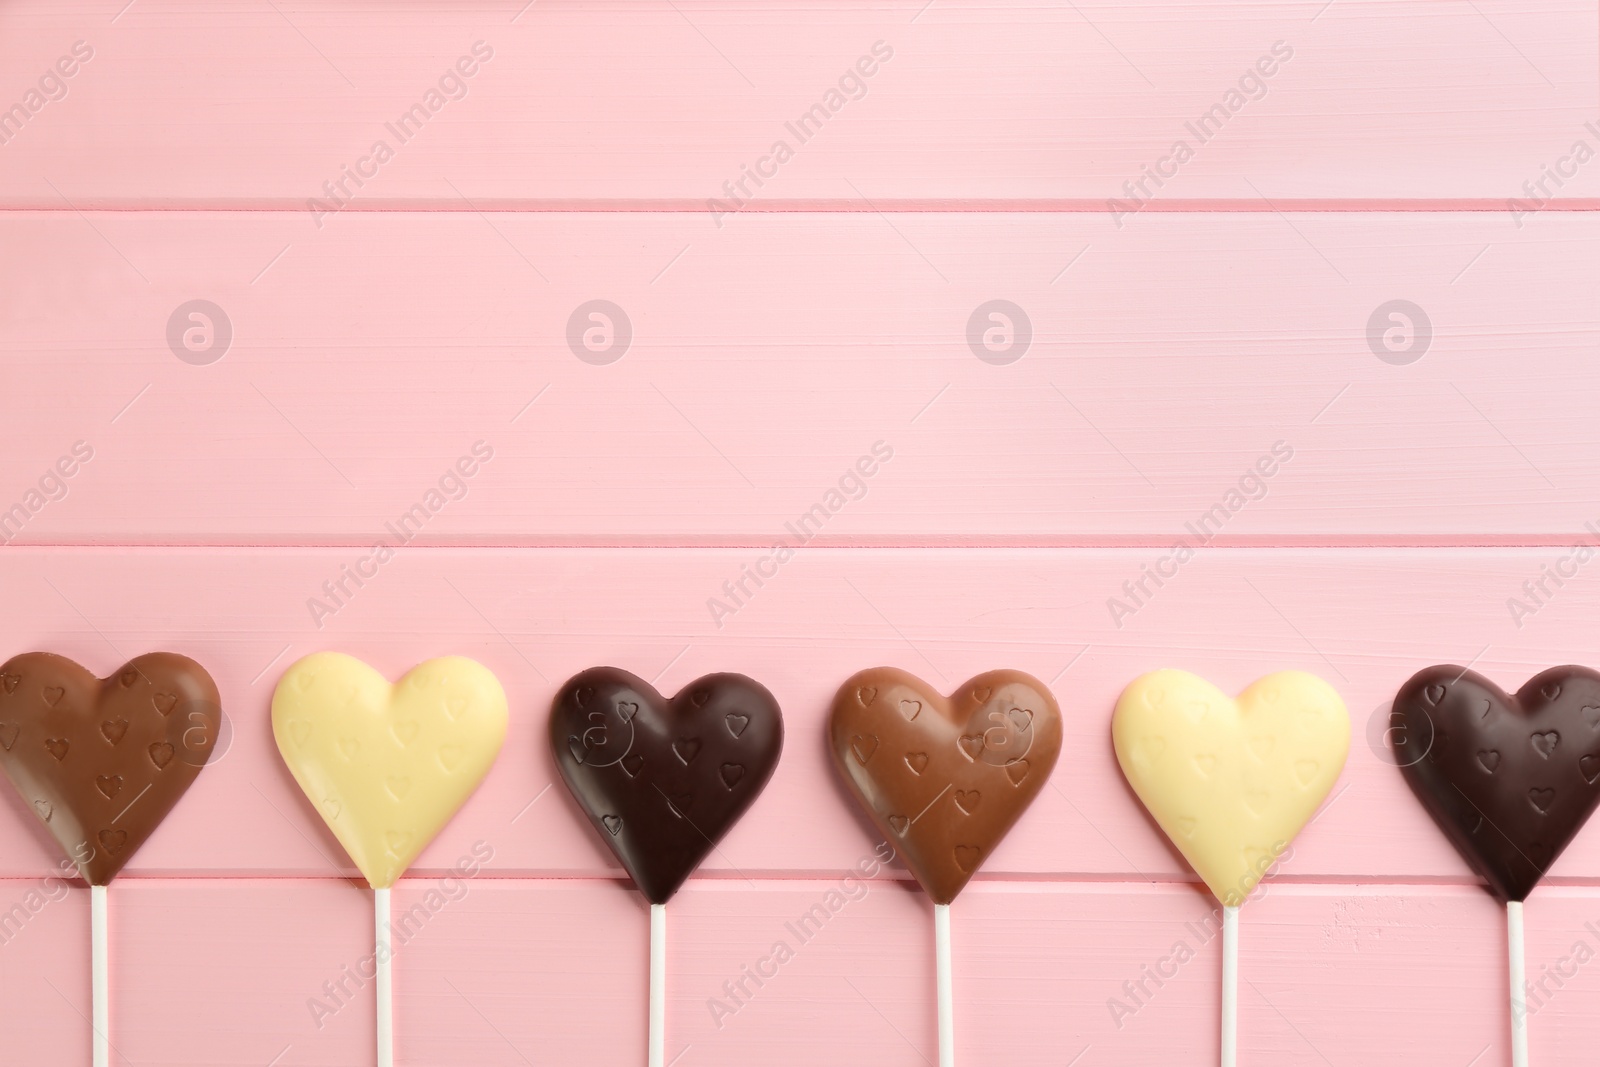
(1231, 782)
(388, 765)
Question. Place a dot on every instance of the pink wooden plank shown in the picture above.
(251, 104)
(511, 971)
(852, 983)
(767, 360)
(1563, 944)
(1364, 619)
(1419, 967)
(221, 972)
(1170, 351)
(44, 970)
(508, 971)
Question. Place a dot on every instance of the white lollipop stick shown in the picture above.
(1230, 986)
(1519, 1015)
(947, 997)
(385, 977)
(658, 985)
(99, 976)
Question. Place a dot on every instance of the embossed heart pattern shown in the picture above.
(1510, 779)
(102, 761)
(944, 778)
(386, 766)
(662, 781)
(1230, 782)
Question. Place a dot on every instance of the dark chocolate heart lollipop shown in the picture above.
(101, 762)
(663, 780)
(1510, 779)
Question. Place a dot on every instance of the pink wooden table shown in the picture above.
(378, 313)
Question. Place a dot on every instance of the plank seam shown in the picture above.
(1291, 543)
(1488, 205)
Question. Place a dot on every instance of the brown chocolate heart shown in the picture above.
(943, 778)
(101, 762)
(1509, 779)
(663, 780)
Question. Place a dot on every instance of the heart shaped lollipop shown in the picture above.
(663, 781)
(386, 766)
(1510, 779)
(1231, 781)
(102, 762)
(944, 778)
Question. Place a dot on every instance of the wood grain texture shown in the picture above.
(769, 358)
(239, 960)
(251, 104)
(44, 965)
(512, 971)
(1172, 347)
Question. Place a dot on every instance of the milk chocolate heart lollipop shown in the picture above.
(1509, 779)
(102, 762)
(663, 780)
(944, 778)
